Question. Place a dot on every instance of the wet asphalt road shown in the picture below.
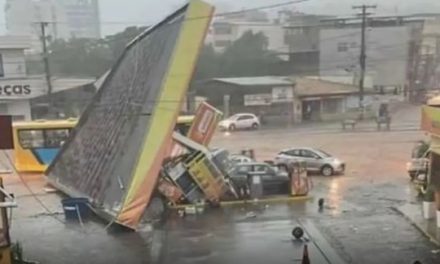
(360, 220)
(358, 225)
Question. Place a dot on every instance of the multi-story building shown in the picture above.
(227, 29)
(388, 49)
(82, 18)
(224, 32)
(65, 19)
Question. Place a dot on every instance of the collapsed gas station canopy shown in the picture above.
(115, 153)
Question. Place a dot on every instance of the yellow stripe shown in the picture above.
(174, 87)
(266, 200)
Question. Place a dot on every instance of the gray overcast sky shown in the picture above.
(129, 12)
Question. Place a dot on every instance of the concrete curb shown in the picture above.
(422, 230)
(322, 244)
(268, 200)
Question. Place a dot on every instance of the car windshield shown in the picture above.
(323, 153)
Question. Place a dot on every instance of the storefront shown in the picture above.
(18, 96)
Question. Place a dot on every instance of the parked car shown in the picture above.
(236, 158)
(417, 167)
(316, 160)
(274, 180)
(240, 121)
(419, 163)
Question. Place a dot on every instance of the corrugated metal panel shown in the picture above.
(257, 81)
(105, 159)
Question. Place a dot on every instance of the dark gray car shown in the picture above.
(275, 181)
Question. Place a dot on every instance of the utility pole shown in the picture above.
(46, 64)
(428, 68)
(363, 56)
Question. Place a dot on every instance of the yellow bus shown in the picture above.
(36, 143)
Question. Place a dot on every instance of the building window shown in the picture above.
(297, 31)
(286, 38)
(222, 43)
(4, 109)
(342, 46)
(331, 106)
(43, 138)
(2, 70)
(222, 30)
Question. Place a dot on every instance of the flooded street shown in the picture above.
(360, 222)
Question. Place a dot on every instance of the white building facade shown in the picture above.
(16, 87)
(223, 33)
(387, 53)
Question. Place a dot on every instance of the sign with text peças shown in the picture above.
(22, 88)
(15, 89)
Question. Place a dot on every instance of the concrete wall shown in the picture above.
(19, 109)
(387, 53)
(273, 32)
(302, 34)
(14, 64)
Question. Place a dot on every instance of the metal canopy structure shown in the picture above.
(115, 153)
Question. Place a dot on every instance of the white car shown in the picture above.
(235, 158)
(240, 121)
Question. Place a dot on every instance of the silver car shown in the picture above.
(316, 160)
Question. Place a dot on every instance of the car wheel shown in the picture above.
(232, 127)
(327, 170)
(255, 126)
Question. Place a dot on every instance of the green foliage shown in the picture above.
(247, 56)
(84, 57)
(117, 43)
(80, 57)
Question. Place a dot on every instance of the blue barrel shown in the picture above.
(75, 208)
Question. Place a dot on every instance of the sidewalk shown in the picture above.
(413, 213)
(336, 127)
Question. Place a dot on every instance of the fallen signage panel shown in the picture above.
(116, 151)
(204, 124)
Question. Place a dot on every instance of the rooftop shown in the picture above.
(258, 81)
(313, 87)
(15, 42)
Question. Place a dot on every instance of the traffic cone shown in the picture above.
(305, 258)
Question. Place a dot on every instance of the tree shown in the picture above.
(247, 56)
(119, 41)
(80, 57)
(207, 66)
(85, 57)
